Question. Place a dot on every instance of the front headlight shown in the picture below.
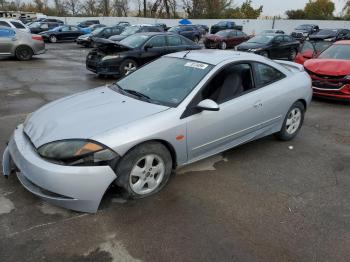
(77, 153)
(107, 57)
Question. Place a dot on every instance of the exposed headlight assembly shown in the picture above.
(107, 57)
(77, 152)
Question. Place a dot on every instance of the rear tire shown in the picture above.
(52, 39)
(144, 170)
(24, 53)
(292, 122)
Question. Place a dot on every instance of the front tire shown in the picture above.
(24, 53)
(127, 67)
(144, 170)
(292, 122)
(223, 45)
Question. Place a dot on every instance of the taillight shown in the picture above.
(37, 37)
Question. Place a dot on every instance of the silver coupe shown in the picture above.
(172, 112)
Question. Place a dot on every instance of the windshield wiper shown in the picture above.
(136, 93)
(119, 88)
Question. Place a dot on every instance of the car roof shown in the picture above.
(342, 42)
(215, 57)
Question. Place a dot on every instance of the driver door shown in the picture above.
(153, 49)
(237, 121)
(7, 40)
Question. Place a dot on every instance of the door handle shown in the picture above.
(258, 104)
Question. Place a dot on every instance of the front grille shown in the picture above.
(325, 77)
(210, 44)
(327, 85)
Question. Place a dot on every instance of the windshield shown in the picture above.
(304, 27)
(130, 30)
(329, 32)
(221, 23)
(34, 25)
(222, 33)
(96, 31)
(336, 52)
(321, 45)
(174, 29)
(166, 81)
(135, 40)
(261, 39)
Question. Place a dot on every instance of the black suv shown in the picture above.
(302, 32)
(224, 25)
(38, 27)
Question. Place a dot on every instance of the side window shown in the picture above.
(158, 41)
(232, 34)
(278, 39)
(45, 26)
(18, 25)
(116, 30)
(65, 29)
(287, 39)
(240, 33)
(232, 81)
(266, 74)
(174, 40)
(6, 33)
(5, 24)
(73, 28)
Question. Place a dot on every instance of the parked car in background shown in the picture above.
(331, 35)
(162, 25)
(223, 25)
(189, 31)
(62, 33)
(203, 28)
(272, 46)
(20, 44)
(177, 110)
(123, 24)
(311, 49)
(50, 20)
(89, 29)
(330, 72)
(124, 57)
(14, 23)
(87, 23)
(272, 31)
(134, 29)
(225, 39)
(302, 32)
(38, 27)
(103, 32)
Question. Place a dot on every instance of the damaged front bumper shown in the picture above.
(79, 188)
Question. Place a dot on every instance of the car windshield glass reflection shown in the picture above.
(336, 52)
(134, 40)
(222, 33)
(172, 80)
(263, 39)
(130, 30)
(98, 30)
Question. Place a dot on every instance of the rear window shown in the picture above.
(18, 25)
(3, 23)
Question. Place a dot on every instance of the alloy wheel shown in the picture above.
(147, 174)
(129, 68)
(293, 121)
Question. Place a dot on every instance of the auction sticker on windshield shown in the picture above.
(196, 65)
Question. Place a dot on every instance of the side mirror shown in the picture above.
(208, 105)
(308, 54)
(148, 46)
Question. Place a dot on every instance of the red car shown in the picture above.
(225, 39)
(311, 49)
(330, 72)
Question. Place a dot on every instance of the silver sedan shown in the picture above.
(172, 112)
(21, 44)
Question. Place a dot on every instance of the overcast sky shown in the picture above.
(279, 7)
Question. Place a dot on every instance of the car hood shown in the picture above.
(321, 37)
(109, 46)
(246, 46)
(85, 115)
(330, 67)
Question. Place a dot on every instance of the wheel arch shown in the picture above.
(165, 143)
(24, 45)
(303, 101)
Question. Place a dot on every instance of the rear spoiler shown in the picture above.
(290, 65)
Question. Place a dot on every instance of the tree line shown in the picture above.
(319, 10)
(144, 8)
